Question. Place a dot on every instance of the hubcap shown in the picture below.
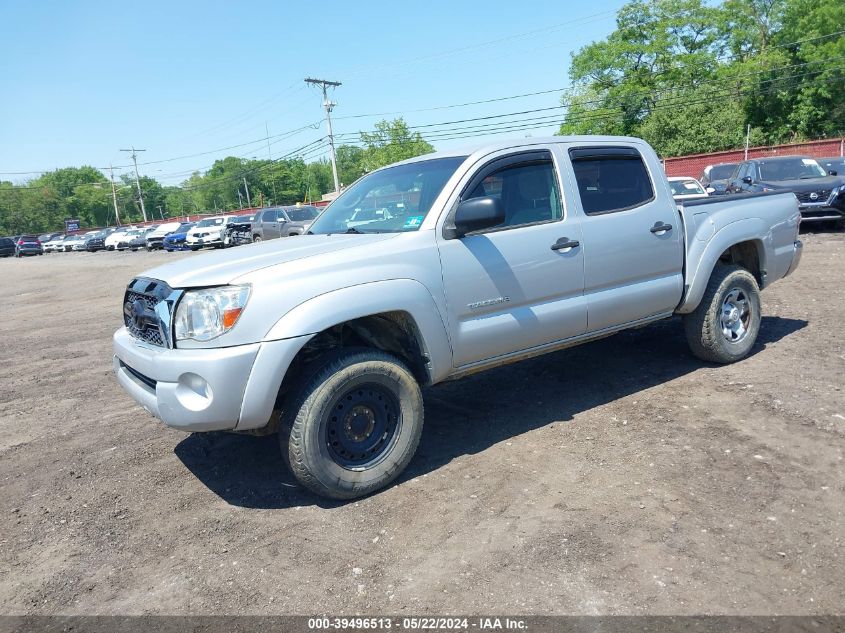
(735, 316)
(361, 425)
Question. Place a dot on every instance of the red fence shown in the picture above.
(694, 165)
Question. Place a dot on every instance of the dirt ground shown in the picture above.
(620, 477)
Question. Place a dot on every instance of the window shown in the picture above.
(610, 179)
(528, 191)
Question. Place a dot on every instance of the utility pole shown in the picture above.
(270, 156)
(248, 201)
(747, 139)
(137, 179)
(114, 195)
(328, 105)
(240, 199)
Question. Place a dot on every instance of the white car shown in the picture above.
(56, 245)
(208, 232)
(114, 239)
(155, 239)
(687, 188)
(74, 243)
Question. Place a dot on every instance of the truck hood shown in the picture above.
(224, 266)
(804, 184)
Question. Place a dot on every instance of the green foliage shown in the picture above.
(391, 141)
(689, 76)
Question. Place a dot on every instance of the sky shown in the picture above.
(188, 80)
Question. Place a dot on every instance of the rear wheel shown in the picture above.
(355, 424)
(724, 326)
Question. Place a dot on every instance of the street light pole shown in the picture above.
(137, 179)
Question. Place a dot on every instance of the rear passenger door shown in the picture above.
(270, 224)
(633, 243)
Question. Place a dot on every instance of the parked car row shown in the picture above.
(221, 231)
(20, 245)
(818, 184)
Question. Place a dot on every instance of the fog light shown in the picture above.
(193, 392)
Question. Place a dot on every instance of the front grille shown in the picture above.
(139, 310)
(807, 196)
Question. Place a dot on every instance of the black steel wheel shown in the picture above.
(353, 424)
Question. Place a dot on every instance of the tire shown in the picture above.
(383, 419)
(256, 238)
(724, 326)
(195, 248)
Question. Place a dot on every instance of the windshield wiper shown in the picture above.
(352, 229)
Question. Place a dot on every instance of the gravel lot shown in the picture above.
(620, 477)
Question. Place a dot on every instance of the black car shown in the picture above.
(28, 245)
(96, 242)
(835, 165)
(820, 196)
(7, 247)
(716, 177)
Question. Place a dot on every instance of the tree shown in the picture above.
(688, 76)
(391, 141)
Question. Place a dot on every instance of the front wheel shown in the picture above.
(256, 238)
(355, 424)
(724, 326)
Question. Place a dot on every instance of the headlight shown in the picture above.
(205, 314)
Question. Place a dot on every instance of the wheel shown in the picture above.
(355, 424)
(256, 238)
(195, 248)
(724, 326)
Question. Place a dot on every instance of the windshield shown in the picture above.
(302, 214)
(210, 222)
(685, 187)
(791, 169)
(722, 172)
(404, 195)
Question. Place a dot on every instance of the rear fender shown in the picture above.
(707, 254)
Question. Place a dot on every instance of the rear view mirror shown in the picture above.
(476, 214)
(832, 172)
(747, 180)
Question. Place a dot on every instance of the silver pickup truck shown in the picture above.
(484, 257)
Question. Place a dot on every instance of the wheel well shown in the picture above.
(392, 332)
(746, 255)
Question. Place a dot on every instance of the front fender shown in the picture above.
(707, 254)
(353, 302)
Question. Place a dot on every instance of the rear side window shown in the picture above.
(610, 179)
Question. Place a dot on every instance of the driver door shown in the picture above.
(514, 286)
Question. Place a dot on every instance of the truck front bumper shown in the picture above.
(218, 389)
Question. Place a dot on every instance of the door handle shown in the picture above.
(659, 227)
(565, 242)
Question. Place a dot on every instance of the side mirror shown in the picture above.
(832, 172)
(747, 180)
(476, 214)
(710, 189)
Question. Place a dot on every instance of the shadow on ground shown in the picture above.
(472, 414)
